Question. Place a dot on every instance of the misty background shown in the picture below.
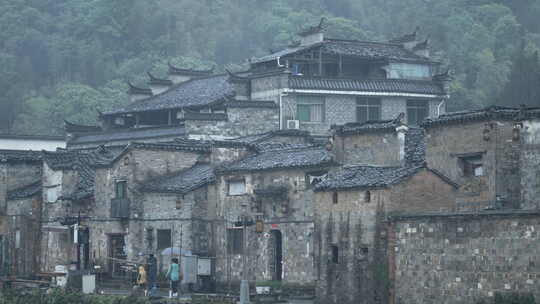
(67, 59)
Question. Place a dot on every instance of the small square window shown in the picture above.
(335, 197)
(367, 196)
(472, 166)
(237, 187)
(313, 178)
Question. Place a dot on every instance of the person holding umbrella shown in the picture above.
(173, 273)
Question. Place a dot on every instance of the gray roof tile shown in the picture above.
(282, 158)
(129, 134)
(359, 177)
(362, 49)
(20, 156)
(493, 112)
(368, 85)
(197, 92)
(182, 182)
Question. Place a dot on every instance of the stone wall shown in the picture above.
(241, 122)
(465, 258)
(382, 148)
(14, 175)
(446, 143)
(354, 227)
(289, 215)
(530, 162)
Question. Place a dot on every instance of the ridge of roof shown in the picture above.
(281, 158)
(200, 94)
(20, 156)
(489, 113)
(183, 181)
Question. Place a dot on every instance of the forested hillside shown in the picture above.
(69, 58)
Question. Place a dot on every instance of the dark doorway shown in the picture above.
(116, 254)
(277, 255)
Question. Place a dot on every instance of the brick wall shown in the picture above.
(295, 226)
(530, 158)
(241, 122)
(462, 259)
(369, 148)
(356, 227)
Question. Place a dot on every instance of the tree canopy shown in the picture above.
(66, 59)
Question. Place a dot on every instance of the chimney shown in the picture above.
(178, 75)
(136, 93)
(158, 85)
(313, 34)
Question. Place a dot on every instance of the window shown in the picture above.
(313, 178)
(235, 244)
(417, 111)
(335, 254)
(178, 204)
(310, 108)
(368, 109)
(237, 187)
(367, 196)
(121, 189)
(164, 238)
(472, 166)
(335, 197)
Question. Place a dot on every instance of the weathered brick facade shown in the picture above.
(351, 253)
(465, 258)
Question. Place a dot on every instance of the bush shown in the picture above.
(58, 296)
(510, 298)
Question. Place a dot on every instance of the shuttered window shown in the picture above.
(310, 108)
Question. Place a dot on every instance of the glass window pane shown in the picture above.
(316, 113)
(303, 112)
(411, 116)
(361, 114)
(374, 113)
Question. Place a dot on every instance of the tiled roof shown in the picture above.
(250, 104)
(25, 191)
(179, 144)
(257, 138)
(197, 92)
(368, 126)
(489, 113)
(282, 158)
(129, 134)
(76, 128)
(362, 49)
(358, 177)
(84, 162)
(182, 182)
(368, 85)
(19, 156)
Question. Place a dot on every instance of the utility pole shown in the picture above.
(244, 284)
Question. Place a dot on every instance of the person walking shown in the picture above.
(173, 273)
(141, 279)
(152, 274)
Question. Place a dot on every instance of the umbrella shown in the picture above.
(175, 251)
